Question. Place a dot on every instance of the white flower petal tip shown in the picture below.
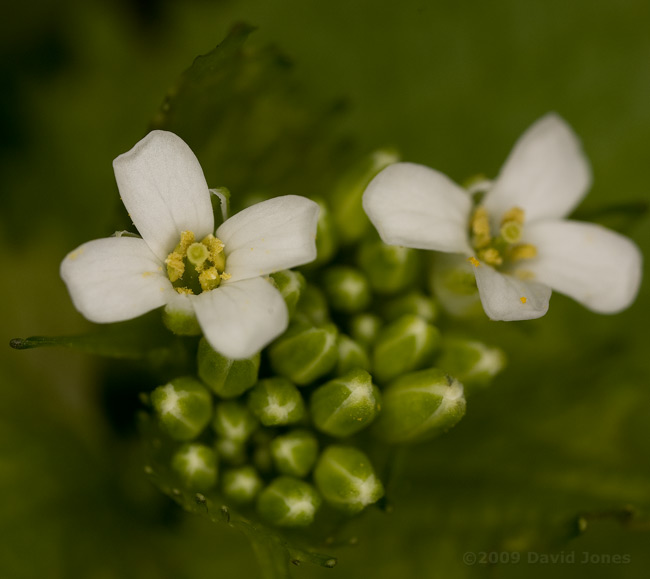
(415, 206)
(270, 236)
(508, 299)
(546, 174)
(115, 279)
(595, 266)
(240, 318)
(163, 188)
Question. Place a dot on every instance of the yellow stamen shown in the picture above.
(215, 247)
(523, 251)
(175, 266)
(225, 276)
(475, 262)
(209, 279)
(491, 256)
(523, 299)
(187, 239)
(185, 291)
(515, 214)
(480, 222)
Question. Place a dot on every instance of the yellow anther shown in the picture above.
(523, 300)
(187, 239)
(225, 276)
(215, 247)
(209, 279)
(481, 241)
(480, 222)
(491, 256)
(475, 262)
(515, 214)
(184, 291)
(214, 244)
(175, 266)
(523, 251)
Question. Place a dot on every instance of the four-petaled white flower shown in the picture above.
(180, 263)
(518, 239)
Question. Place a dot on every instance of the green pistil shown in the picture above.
(197, 253)
(511, 232)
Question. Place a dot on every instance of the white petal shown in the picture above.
(414, 206)
(507, 298)
(164, 191)
(547, 173)
(595, 266)
(239, 319)
(272, 235)
(115, 279)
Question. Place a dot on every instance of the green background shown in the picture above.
(564, 431)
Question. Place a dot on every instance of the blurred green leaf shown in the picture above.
(241, 111)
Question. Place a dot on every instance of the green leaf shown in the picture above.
(240, 111)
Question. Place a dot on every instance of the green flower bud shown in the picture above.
(231, 451)
(472, 362)
(346, 405)
(406, 344)
(351, 355)
(414, 303)
(420, 405)
(294, 453)
(350, 218)
(276, 401)
(179, 318)
(346, 479)
(232, 420)
(291, 284)
(288, 502)
(326, 235)
(241, 485)
(389, 268)
(228, 378)
(347, 289)
(364, 328)
(305, 353)
(196, 465)
(183, 407)
(312, 307)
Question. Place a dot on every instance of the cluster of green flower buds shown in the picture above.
(289, 433)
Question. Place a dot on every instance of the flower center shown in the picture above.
(502, 249)
(194, 267)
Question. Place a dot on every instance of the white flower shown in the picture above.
(222, 280)
(518, 239)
